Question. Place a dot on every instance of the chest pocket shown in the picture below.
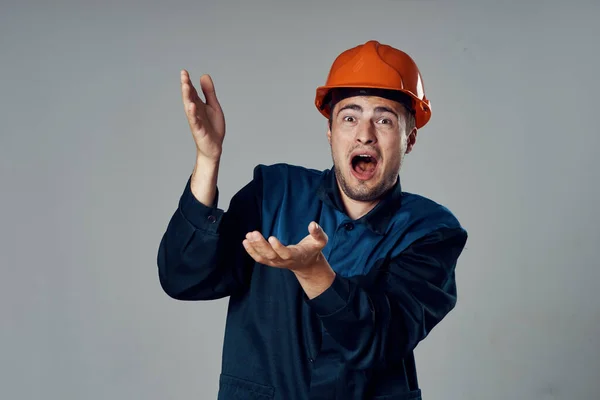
(232, 388)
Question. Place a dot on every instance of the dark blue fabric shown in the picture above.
(395, 281)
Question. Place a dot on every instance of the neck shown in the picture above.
(356, 209)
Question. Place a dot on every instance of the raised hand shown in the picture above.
(206, 119)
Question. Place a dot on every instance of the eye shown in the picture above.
(386, 121)
(348, 118)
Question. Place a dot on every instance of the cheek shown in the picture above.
(403, 144)
(400, 142)
(394, 147)
(338, 145)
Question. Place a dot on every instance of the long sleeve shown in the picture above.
(201, 256)
(377, 327)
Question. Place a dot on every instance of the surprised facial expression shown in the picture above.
(368, 140)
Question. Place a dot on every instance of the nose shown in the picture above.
(366, 133)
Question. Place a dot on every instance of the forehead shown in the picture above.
(370, 103)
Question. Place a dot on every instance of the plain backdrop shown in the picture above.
(95, 151)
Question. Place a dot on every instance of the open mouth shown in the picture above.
(363, 166)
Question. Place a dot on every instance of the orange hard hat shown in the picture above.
(376, 66)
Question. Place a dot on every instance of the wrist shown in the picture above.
(204, 180)
(315, 278)
(319, 266)
(205, 163)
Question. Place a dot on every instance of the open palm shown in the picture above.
(206, 119)
(294, 257)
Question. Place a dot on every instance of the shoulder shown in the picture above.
(419, 216)
(282, 173)
(425, 207)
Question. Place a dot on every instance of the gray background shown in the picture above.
(95, 151)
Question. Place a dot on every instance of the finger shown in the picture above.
(194, 117)
(317, 232)
(282, 251)
(188, 91)
(252, 252)
(185, 88)
(262, 247)
(184, 75)
(208, 88)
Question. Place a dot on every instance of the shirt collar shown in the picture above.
(378, 218)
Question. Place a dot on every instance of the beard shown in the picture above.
(362, 192)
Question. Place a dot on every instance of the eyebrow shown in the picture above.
(356, 107)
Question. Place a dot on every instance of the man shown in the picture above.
(334, 276)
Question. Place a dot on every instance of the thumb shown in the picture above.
(317, 232)
(208, 88)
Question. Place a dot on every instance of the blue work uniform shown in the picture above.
(395, 281)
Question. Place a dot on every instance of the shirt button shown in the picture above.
(311, 360)
(212, 219)
(349, 226)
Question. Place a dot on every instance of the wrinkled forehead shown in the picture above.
(374, 104)
(394, 99)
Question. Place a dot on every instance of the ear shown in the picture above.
(411, 139)
(328, 134)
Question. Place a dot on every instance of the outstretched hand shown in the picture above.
(294, 257)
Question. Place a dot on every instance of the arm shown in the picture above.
(201, 256)
(377, 327)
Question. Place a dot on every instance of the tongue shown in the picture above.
(365, 166)
(364, 170)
